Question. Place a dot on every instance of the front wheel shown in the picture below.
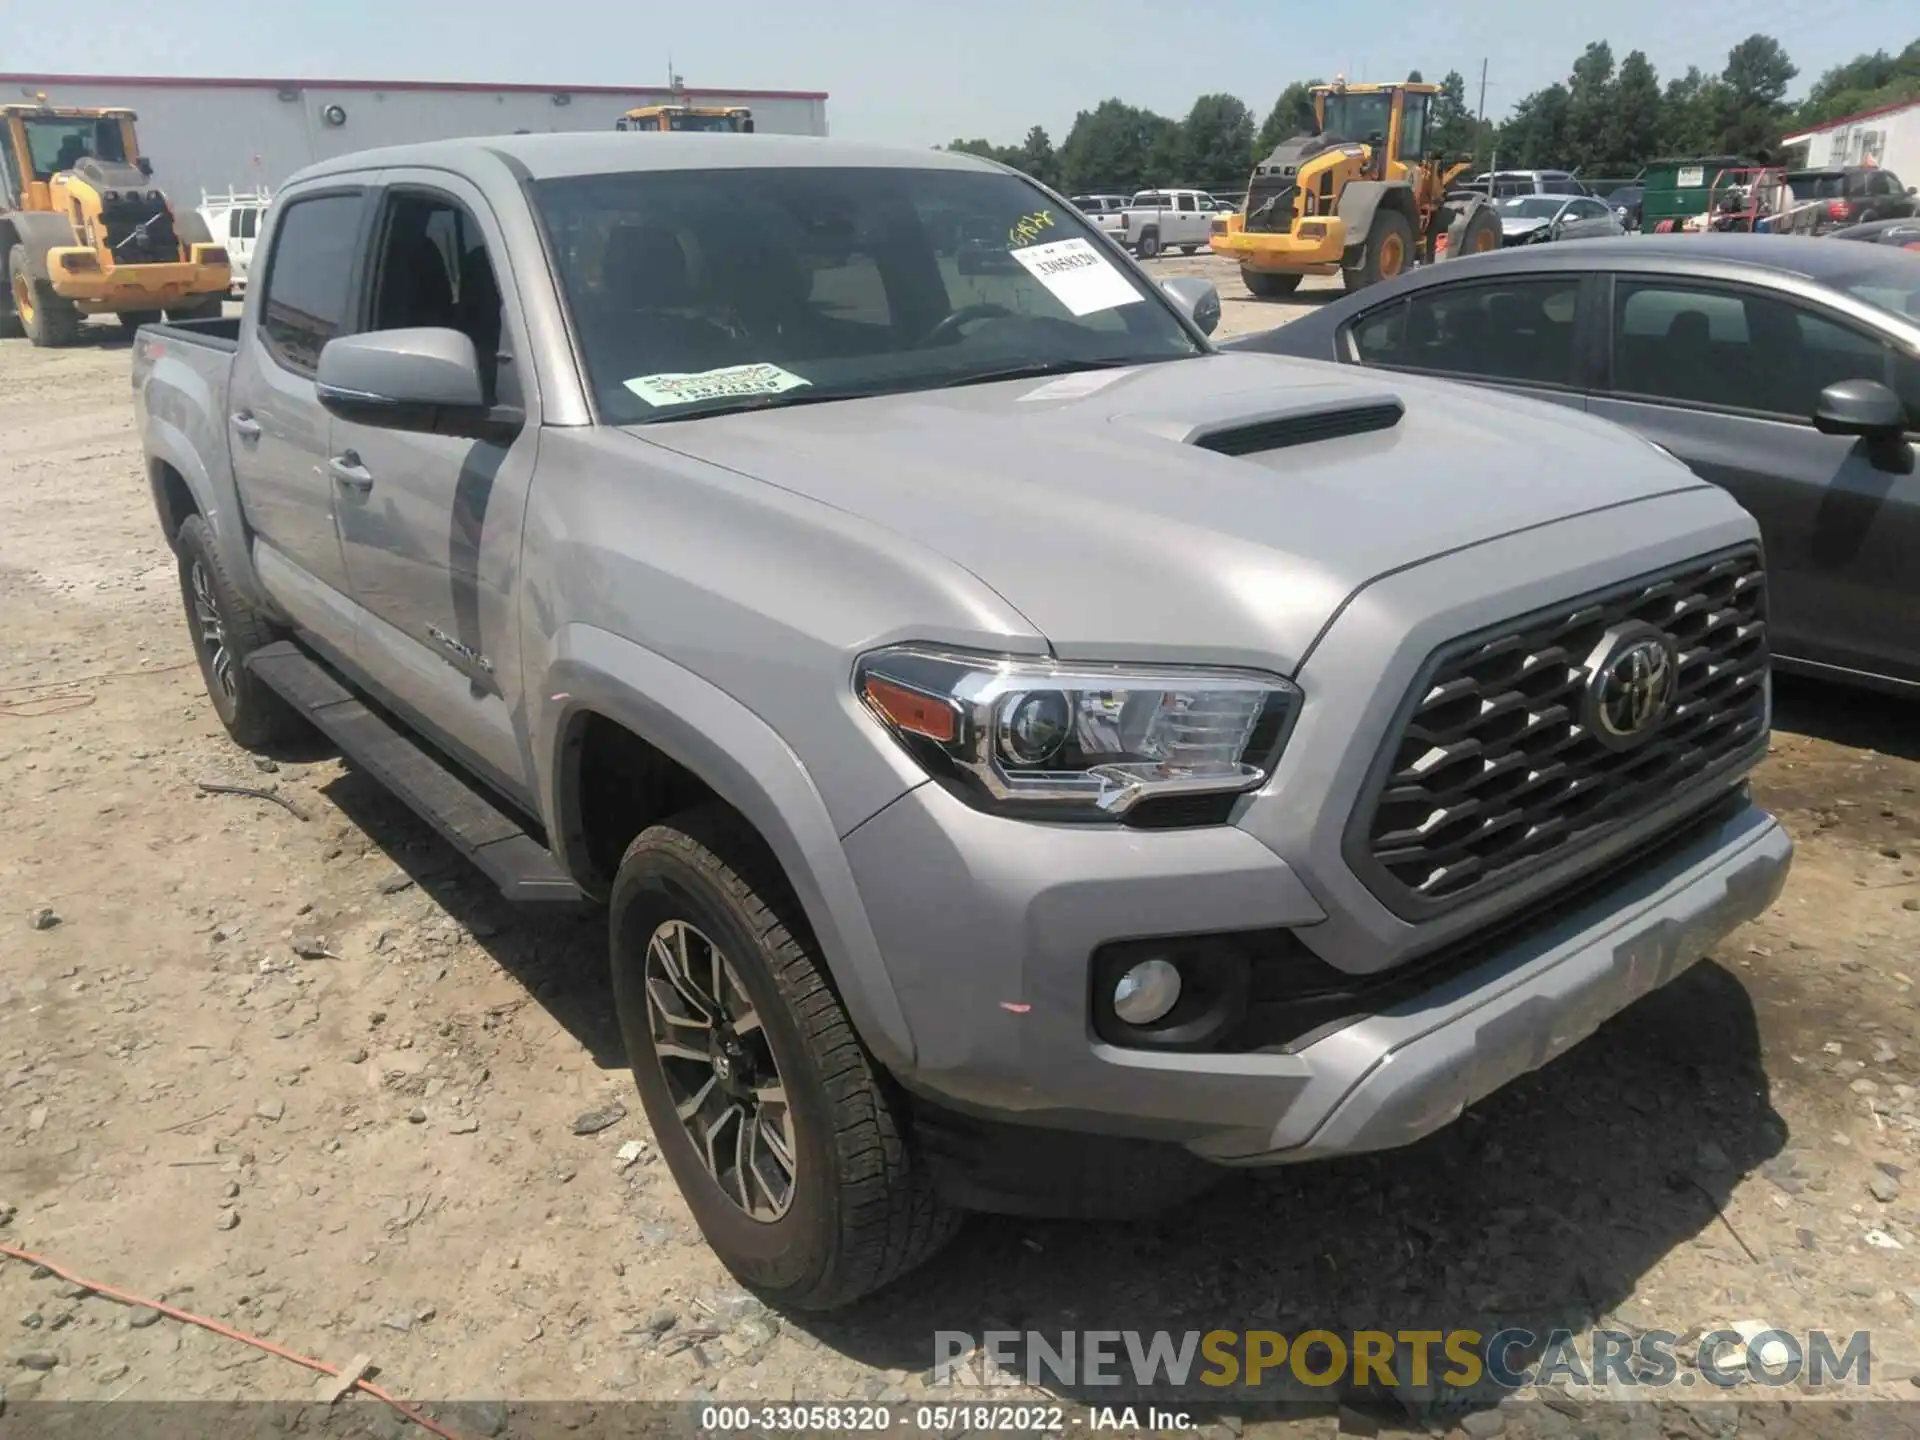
(43, 316)
(1388, 251)
(786, 1140)
(1266, 285)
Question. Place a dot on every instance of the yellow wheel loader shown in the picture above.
(1363, 197)
(729, 119)
(84, 232)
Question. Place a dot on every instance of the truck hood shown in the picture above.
(1094, 505)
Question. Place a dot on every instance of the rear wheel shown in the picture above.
(787, 1141)
(46, 319)
(1149, 244)
(1266, 285)
(1388, 252)
(225, 630)
(1473, 232)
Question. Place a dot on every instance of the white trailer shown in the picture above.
(1888, 137)
(222, 134)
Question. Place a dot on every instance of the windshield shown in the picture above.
(1356, 117)
(724, 123)
(698, 290)
(57, 144)
(1531, 207)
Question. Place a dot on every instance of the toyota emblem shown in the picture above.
(1630, 685)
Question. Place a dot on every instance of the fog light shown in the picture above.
(1146, 992)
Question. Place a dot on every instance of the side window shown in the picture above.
(1560, 187)
(1185, 203)
(1737, 350)
(1520, 331)
(309, 279)
(431, 269)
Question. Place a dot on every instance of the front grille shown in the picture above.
(1270, 205)
(1493, 773)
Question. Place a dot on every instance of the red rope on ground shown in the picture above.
(217, 1328)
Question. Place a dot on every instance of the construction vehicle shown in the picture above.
(84, 231)
(727, 119)
(1363, 196)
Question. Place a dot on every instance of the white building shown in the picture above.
(1888, 137)
(230, 133)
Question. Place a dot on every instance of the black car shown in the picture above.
(1904, 232)
(1826, 199)
(1784, 369)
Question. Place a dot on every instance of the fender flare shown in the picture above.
(1359, 199)
(741, 758)
(38, 232)
(216, 501)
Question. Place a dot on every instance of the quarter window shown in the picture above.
(309, 281)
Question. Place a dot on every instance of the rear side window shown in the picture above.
(309, 280)
(1521, 331)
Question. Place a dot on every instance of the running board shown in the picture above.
(473, 823)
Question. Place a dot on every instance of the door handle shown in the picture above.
(244, 425)
(347, 470)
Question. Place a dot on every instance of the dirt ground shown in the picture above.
(294, 1067)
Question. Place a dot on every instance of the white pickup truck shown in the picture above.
(1157, 220)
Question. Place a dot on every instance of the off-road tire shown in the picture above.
(1473, 231)
(254, 715)
(10, 326)
(1148, 245)
(53, 321)
(863, 1211)
(132, 320)
(1390, 235)
(1267, 285)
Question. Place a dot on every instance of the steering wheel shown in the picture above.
(949, 328)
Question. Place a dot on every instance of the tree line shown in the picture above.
(1604, 120)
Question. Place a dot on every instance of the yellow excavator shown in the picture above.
(727, 119)
(84, 232)
(1364, 196)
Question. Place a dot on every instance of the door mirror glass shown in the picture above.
(145, 166)
(1197, 299)
(426, 380)
(1860, 407)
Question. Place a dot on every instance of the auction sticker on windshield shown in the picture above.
(1080, 277)
(727, 383)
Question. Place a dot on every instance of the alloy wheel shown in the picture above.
(720, 1072)
(213, 632)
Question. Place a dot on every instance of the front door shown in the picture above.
(277, 432)
(431, 524)
(1727, 378)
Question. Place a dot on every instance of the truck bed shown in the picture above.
(220, 334)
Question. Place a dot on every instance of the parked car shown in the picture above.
(233, 219)
(1534, 219)
(1785, 369)
(1104, 210)
(1904, 233)
(1628, 203)
(1157, 220)
(1503, 184)
(772, 601)
(1227, 204)
(1850, 195)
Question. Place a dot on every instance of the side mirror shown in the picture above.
(145, 166)
(1196, 298)
(1865, 408)
(424, 380)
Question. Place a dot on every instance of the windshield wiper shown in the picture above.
(1041, 368)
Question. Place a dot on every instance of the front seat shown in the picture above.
(1687, 361)
(649, 316)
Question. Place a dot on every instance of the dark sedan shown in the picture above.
(1785, 370)
(1903, 232)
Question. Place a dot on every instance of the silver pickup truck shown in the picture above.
(1031, 760)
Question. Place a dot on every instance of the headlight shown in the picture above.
(1090, 742)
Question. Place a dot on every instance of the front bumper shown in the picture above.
(1284, 251)
(991, 965)
(134, 287)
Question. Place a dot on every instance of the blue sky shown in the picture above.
(919, 73)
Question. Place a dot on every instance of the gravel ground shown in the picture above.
(303, 1072)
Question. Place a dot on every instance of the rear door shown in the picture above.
(278, 431)
(1727, 377)
(431, 524)
(1520, 333)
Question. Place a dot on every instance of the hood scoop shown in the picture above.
(1305, 424)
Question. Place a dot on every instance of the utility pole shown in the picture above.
(1480, 122)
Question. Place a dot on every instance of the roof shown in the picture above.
(602, 152)
(1805, 255)
(1824, 126)
(234, 82)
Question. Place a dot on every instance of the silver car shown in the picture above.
(1533, 219)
